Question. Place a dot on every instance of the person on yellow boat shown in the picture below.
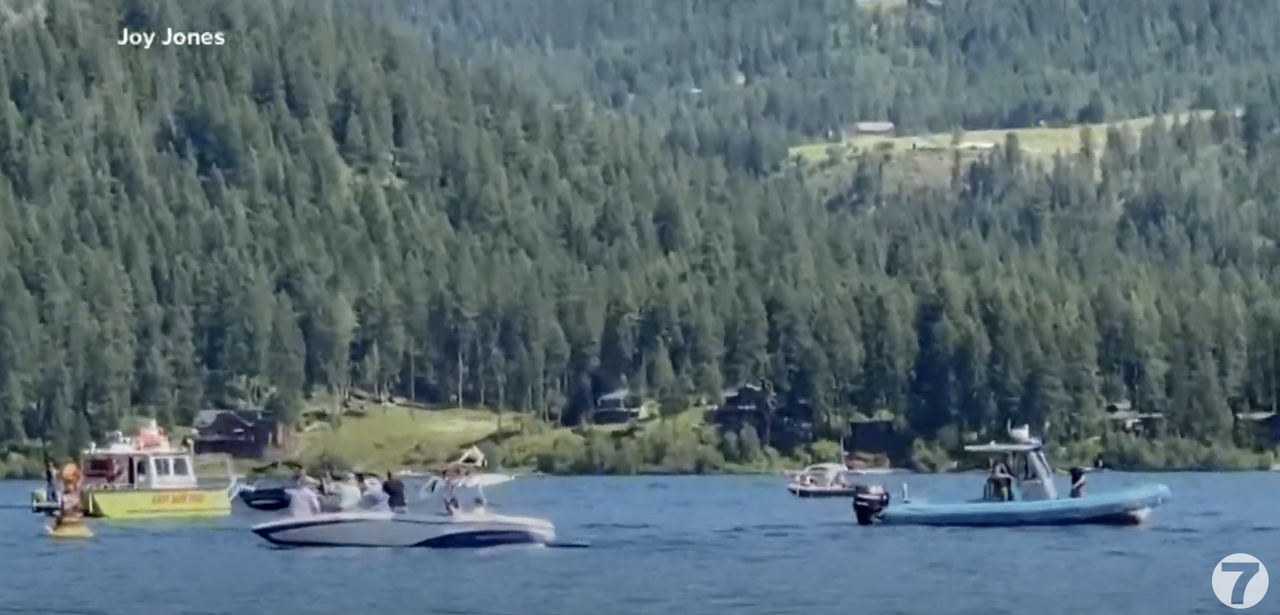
(70, 510)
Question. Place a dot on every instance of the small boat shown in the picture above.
(823, 480)
(41, 503)
(69, 530)
(1039, 503)
(259, 497)
(266, 489)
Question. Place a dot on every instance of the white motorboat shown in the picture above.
(463, 529)
(823, 480)
(473, 528)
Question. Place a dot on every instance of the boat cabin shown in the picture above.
(1032, 474)
(822, 475)
(145, 461)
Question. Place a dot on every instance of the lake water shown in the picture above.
(671, 546)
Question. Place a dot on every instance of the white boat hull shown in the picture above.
(385, 529)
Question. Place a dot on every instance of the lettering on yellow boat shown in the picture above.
(177, 498)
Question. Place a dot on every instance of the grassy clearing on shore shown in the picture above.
(394, 436)
(1043, 141)
(523, 448)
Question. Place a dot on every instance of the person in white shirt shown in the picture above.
(371, 495)
(303, 501)
(347, 493)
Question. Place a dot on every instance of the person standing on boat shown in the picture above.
(394, 489)
(51, 487)
(303, 500)
(1000, 483)
(368, 482)
(69, 510)
(371, 495)
(347, 493)
(1077, 482)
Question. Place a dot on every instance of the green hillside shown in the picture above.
(328, 204)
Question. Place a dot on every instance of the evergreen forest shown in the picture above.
(525, 204)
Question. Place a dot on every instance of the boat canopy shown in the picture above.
(824, 468)
(144, 461)
(1030, 467)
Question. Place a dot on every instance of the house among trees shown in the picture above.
(780, 422)
(620, 406)
(747, 404)
(870, 438)
(246, 434)
(1258, 429)
(1122, 415)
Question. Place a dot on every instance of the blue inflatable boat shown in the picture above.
(1036, 502)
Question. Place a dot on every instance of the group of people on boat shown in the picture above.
(358, 491)
(345, 492)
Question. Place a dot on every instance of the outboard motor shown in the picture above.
(869, 501)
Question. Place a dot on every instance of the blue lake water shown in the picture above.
(679, 545)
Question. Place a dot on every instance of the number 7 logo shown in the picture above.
(1240, 581)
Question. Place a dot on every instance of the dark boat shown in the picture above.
(269, 498)
(267, 489)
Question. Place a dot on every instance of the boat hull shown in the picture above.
(810, 491)
(466, 530)
(1126, 507)
(157, 503)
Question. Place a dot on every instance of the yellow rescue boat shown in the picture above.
(144, 477)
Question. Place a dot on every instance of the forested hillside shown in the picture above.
(317, 205)
(742, 78)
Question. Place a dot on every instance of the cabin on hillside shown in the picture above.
(781, 423)
(244, 434)
(617, 407)
(747, 404)
(1258, 429)
(1123, 418)
(871, 437)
